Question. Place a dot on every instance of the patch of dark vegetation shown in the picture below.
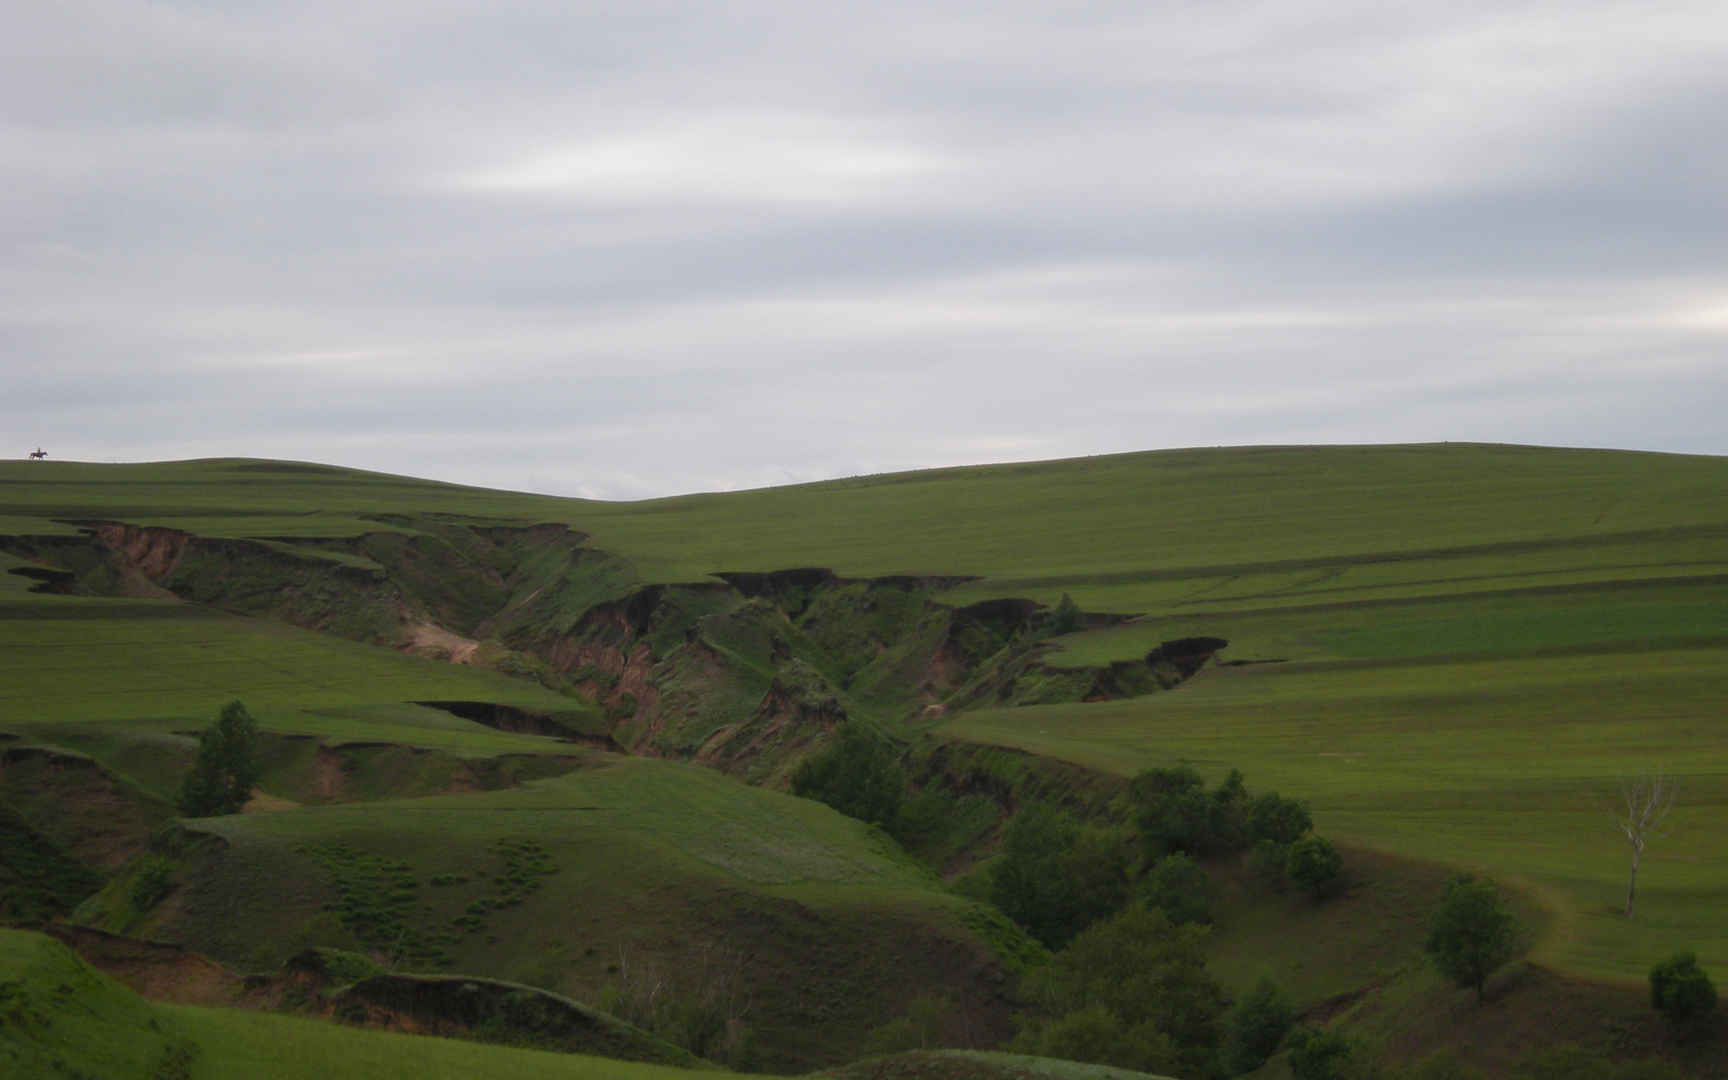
(37, 879)
(378, 899)
(525, 866)
(1010, 777)
(859, 775)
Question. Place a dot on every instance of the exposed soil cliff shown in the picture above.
(747, 672)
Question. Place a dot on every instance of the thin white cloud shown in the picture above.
(727, 158)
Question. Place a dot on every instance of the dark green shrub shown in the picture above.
(1681, 991)
(1178, 887)
(1472, 933)
(1134, 989)
(859, 775)
(1280, 820)
(1176, 814)
(1320, 1055)
(153, 881)
(1268, 862)
(1097, 1035)
(1314, 864)
(1255, 1028)
(1054, 877)
(1066, 618)
(622, 709)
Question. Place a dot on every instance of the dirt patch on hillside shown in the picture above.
(431, 640)
(79, 806)
(154, 969)
(262, 802)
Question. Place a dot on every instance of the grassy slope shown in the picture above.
(68, 661)
(1480, 638)
(62, 1019)
(651, 867)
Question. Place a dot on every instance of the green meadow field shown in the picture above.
(1454, 653)
(66, 1020)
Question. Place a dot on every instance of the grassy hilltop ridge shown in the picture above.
(1453, 652)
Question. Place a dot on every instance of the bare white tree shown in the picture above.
(1645, 802)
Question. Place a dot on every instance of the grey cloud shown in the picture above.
(761, 242)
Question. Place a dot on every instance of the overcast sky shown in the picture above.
(633, 249)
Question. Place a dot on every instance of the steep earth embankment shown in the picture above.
(747, 672)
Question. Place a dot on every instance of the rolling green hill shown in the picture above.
(1452, 652)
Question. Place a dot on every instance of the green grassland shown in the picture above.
(1463, 649)
(575, 882)
(1510, 764)
(60, 1019)
(68, 662)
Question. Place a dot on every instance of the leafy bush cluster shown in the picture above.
(1128, 909)
(859, 775)
(1473, 932)
(525, 865)
(1131, 991)
(152, 881)
(375, 901)
(1177, 815)
(378, 898)
(1256, 1028)
(1682, 992)
(1056, 877)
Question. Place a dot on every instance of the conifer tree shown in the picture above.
(221, 779)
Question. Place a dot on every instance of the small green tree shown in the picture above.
(1135, 984)
(1280, 820)
(1255, 1028)
(1097, 1035)
(1179, 888)
(1066, 618)
(1055, 877)
(1320, 1055)
(1473, 932)
(859, 775)
(1315, 865)
(226, 768)
(1681, 991)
